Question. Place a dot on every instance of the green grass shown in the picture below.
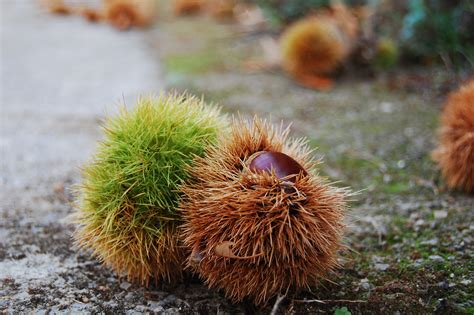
(395, 188)
(194, 63)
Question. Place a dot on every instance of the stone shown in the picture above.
(432, 242)
(140, 308)
(125, 285)
(436, 258)
(382, 267)
(440, 214)
(365, 284)
(158, 309)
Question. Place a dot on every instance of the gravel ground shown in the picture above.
(411, 240)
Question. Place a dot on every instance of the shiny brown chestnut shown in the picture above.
(282, 164)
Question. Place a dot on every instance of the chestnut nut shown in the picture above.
(282, 164)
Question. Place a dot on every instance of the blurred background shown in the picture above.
(369, 100)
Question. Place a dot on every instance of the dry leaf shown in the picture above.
(224, 249)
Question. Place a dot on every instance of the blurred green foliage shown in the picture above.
(386, 55)
(420, 30)
(342, 311)
(439, 28)
(284, 11)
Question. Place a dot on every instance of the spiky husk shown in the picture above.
(387, 53)
(455, 151)
(187, 7)
(346, 19)
(284, 237)
(91, 14)
(221, 9)
(56, 7)
(317, 45)
(312, 46)
(124, 14)
(129, 193)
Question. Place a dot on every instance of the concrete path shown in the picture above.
(59, 76)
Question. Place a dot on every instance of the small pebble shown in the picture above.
(409, 132)
(140, 308)
(364, 284)
(377, 259)
(386, 107)
(433, 241)
(158, 309)
(170, 299)
(440, 214)
(436, 258)
(112, 304)
(460, 246)
(418, 263)
(77, 308)
(382, 267)
(443, 285)
(125, 285)
(419, 222)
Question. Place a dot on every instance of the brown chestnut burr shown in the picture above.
(455, 151)
(124, 14)
(123, 21)
(282, 164)
(258, 219)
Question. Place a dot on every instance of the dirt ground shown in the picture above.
(411, 240)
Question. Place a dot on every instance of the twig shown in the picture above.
(277, 304)
(377, 227)
(329, 301)
(447, 62)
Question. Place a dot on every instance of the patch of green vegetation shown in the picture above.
(283, 12)
(342, 311)
(395, 187)
(193, 63)
(204, 46)
(356, 163)
(360, 173)
(221, 96)
(403, 266)
(433, 28)
(318, 144)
